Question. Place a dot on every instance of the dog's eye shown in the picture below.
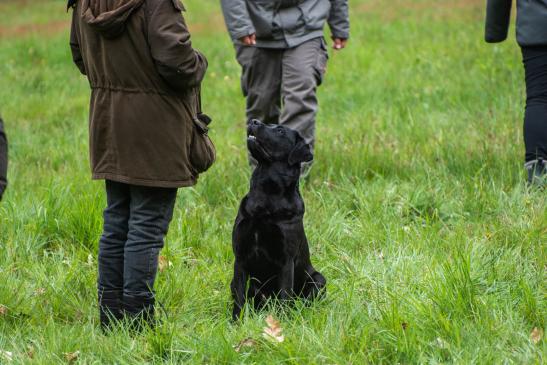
(280, 131)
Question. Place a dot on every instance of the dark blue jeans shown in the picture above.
(535, 119)
(136, 221)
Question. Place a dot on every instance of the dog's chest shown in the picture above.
(265, 237)
(267, 242)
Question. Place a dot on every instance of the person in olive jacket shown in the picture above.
(3, 160)
(142, 70)
(532, 38)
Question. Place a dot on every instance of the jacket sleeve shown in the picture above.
(339, 19)
(498, 16)
(237, 18)
(3, 160)
(180, 65)
(75, 44)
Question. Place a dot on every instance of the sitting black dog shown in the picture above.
(272, 258)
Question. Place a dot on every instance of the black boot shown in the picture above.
(537, 172)
(140, 311)
(110, 307)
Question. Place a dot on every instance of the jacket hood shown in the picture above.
(108, 17)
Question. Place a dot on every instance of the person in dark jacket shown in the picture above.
(143, 72)
(283, 55)
(3, 160)
(532, 38)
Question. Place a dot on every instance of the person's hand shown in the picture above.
(248, 40)
(339, 43)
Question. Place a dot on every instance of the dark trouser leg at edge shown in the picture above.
(535, 120)
(3, 160)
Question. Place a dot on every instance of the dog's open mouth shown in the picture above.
(258, 146)
(251, 137)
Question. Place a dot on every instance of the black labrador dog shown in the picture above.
(272, 257)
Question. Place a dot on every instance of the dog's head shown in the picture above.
(275, 143)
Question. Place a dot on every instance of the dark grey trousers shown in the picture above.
(136, 221)
(281, 84)
(3, 159)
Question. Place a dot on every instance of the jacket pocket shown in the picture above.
(202, 153)
(202, 149)
(315, 12)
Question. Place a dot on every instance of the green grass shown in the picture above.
(417, 211)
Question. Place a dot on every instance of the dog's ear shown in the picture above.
(300, 153)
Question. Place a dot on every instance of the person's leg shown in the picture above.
(111, 252)
(151, 213)
(261, 82)
(535, 120)
(303, 70)
(3, 159)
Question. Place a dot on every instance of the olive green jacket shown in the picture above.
(143, 72)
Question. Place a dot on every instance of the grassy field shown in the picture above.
(417, 211)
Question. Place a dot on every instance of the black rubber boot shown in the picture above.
(110, 307)
(537, 172)
(139, 310)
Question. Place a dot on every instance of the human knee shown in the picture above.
(303, 86)
(115, 230)
(147, 231)
(538, 99)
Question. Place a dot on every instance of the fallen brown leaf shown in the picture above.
(272, 322)
(248, 342)
(72, 356)
(164, 263)
(273, 331)
(536, 335)
(404, 325)
(3, 310)
(30, 352)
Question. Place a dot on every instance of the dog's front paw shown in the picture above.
(236, 314)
